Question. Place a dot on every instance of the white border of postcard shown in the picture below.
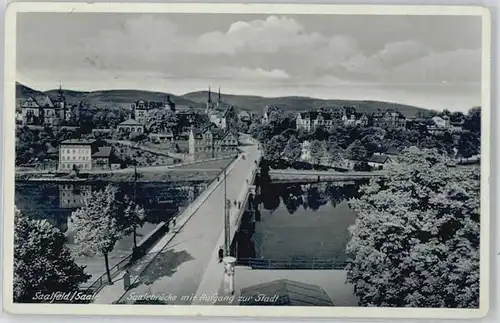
(237, 311)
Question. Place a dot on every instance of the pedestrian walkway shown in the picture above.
(174, 268)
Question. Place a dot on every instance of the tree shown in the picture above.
(415, 242)
(273, 150)
(356, 151)
(473, 120)
(468, 144)
(334, 151)
(292, 150)
(100, 223)
(160, 120)
(318, 151)
(42, 261)
(135, 214)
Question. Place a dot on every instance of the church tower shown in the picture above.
(210, 104)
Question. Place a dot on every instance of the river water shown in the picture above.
(55, 202)
(300, 221)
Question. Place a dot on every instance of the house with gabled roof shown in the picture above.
(311, 120)
(389, 118)
(211, 139)
(130, 126)
(30, 111)
(48, 112)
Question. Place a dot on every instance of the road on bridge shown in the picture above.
(175, 267)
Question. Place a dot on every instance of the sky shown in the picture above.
(427, 61)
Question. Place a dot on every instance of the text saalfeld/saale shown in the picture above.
(64, 296)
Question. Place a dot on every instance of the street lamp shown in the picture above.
(227, 228)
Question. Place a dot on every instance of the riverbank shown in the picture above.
(199, 171)
(145, 177)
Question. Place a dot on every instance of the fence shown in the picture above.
(103, 279)
(142, 247)
(311, 263)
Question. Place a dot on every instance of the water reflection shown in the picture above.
(298, 221)
(55, 202)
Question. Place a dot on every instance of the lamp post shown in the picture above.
(135, 201)
(227, 228)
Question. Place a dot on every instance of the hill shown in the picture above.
(296, 104)
(102, 98)
(198, 99)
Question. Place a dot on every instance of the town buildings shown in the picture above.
(85, 155)
(309, 121)
(220, 114)
(389, 118)
(49, 112)
(141, 108)
(441, 121)
(76, 154)
(211, 140)
(326, 118)
(101, 159)
(131, 126)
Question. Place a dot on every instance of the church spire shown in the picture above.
(61, 94)
(218, 98)
(209, 95)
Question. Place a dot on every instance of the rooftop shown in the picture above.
(289, 292)
(130, 122)
(381, 159)
(78, 142)
(102, 152)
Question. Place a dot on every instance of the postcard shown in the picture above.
(246, 160)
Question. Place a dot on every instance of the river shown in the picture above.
(300, 222)
(55, 202)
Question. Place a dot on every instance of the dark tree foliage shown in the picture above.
(43, 264)
(415, 242)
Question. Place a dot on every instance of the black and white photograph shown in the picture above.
(247, 159)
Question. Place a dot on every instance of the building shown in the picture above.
(211, 140)
(265, 115)
(244, 116)
(76, 154)
(49, 112)
(212, 106)
(363, 119)
(379, 161)
(30, 111)
(141, 108)
(222, 115)
(131, 126)
(309, 121)
(101, 159)
(48, 115)
(441, 121)
(141, 111)
(389, 118)
(168, 136)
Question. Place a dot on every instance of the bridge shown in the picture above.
(311, 176)
(185, 262)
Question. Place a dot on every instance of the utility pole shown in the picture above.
(135, 201)
(227, 228)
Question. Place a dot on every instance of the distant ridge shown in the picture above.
(198, 99)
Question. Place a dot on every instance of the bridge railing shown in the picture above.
(310, 263)
(100, 282)
(142, 247)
